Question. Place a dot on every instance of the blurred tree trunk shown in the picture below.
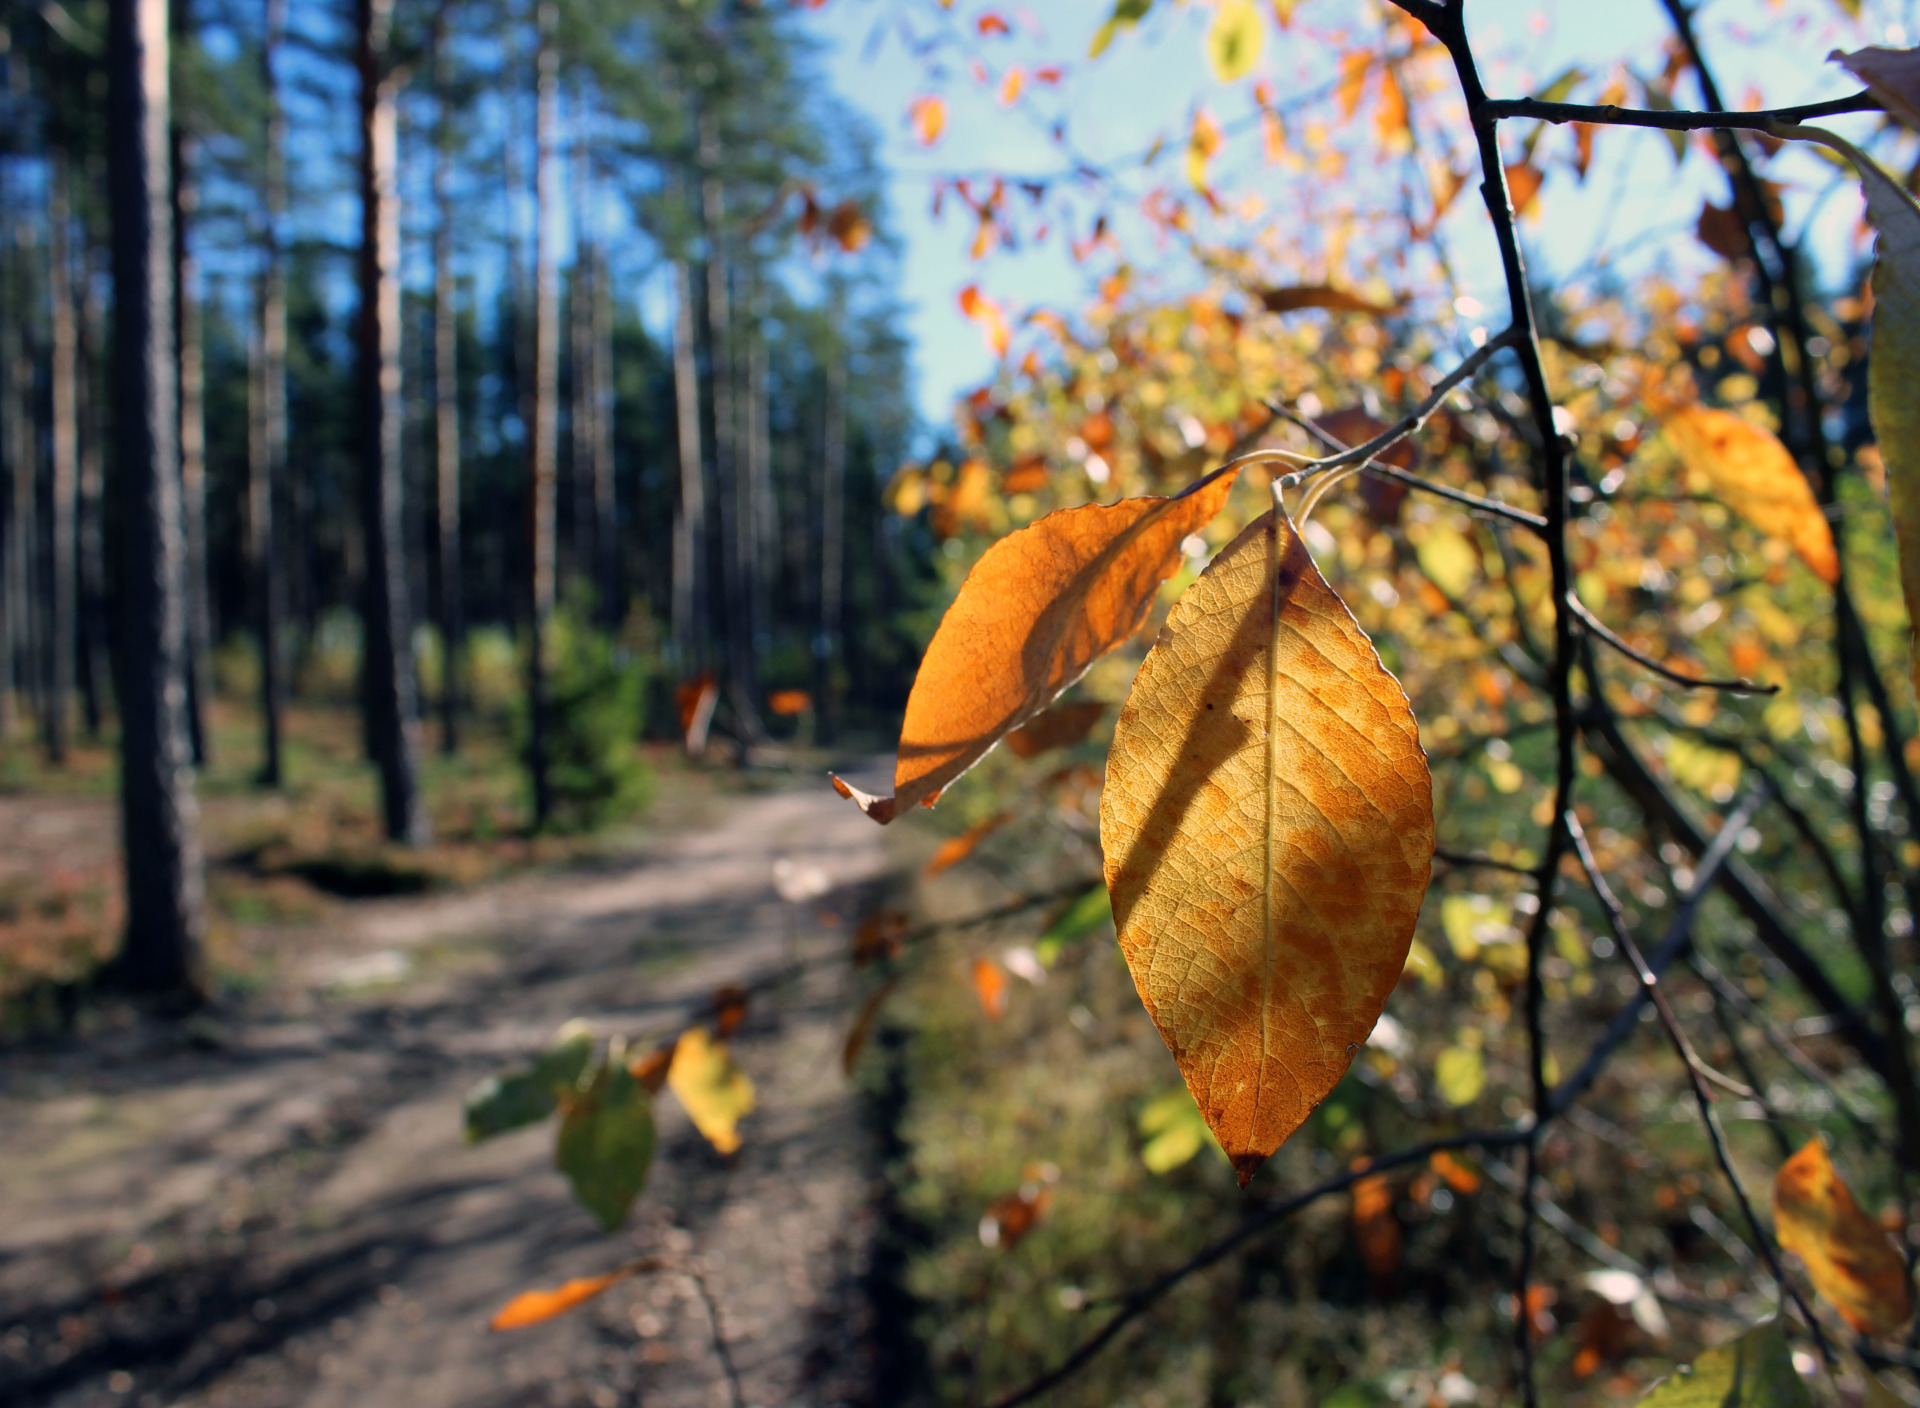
(833, 479)
(96, 672)
(606, 521)
(543, 439)
(268, 471)
(583, 562)
(165, 881)
(190, 382)
(16, 368)
(761, 509)
(391, 702)
(736, 524)
(63, 444)
(446, 405)
(690, 523)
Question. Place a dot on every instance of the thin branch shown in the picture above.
(1139, 1302)
(1467, 860)
(1650, 986)
(720, 1347)
(1611, 115)
(1666, 672)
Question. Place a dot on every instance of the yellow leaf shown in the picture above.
(715, 1093)
(1754, 1371)
(1203, 140)
(1039, 607)
(532, 1307)
(1752, 474)
(1234, 40)
(1268, 827)
(928, 115)
(1174, 1130)
(1390, 118)
(1460, 1074)
(1852, 1262)
(1449, 559)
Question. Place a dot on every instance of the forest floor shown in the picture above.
(273, 1205)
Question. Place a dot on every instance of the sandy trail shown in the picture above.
(283, 1212)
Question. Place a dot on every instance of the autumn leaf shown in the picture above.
(787, 703)
(990, 986)
(532, 1307)
(1852, 1261)
(650, 1069)
(881, 934)
(1012, 84)
(1234, 39)
(1754, 1371)
(715, 1093)
(849, 226)
(1375, 1230)
(1203, 141)
(1524, 180)
(1038, 608)
(1293, 297)
(1752, 474)
(605, 1143)
(1059, 727)
(1460, 1177)
(1892, 75)
(1081, 917)
(502, 1103)
(1268, 827)
(991, 24)
(695, 700)
(928, 116)
(955, 849)
(989, 315)
(1173, 1129)
(1390, 117)
(729, 1010)
(1354, 67)
(862, 1026)
(1126, 14)
(1007, 1220)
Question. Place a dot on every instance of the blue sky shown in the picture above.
(1636, 209)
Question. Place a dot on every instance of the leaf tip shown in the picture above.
(1245, 1166)
(879, 808)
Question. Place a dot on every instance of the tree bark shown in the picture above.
(165, 880)
(583, 442)
(63, 444)
(543, 439)
(16, 387)
(762, 508)
(833, 479)
(190, 382)
(446, 410)
(268, 476)
(606, 522)
(690, 522)
(391, 700)
(97, 672)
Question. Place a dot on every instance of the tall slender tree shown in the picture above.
(190, 385)
(267, 477)
(64, 451)
(16, 367)
(690, 520)
(833, 514)
(388, 683)
(543, 441)
(165, 882)
(96, 675)
(606, 523)
(446, 397)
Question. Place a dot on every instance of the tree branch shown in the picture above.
(1611, 115)
(1599, 628)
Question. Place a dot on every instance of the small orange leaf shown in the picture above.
(1038, 608)
(849, 226)
(789, 702)
(1025, 475)
(650, 1070)
(1009, 1219)
(532, 1307)
(1752, 473)
(695, 700)
(991, 24)
(862, 1026)
(729, 1010)
(1059, 727)
(1012, 84)
(955, 849)
(1523, 185)
(989, 315)
(1354, 68)
(1463, 1179)
(990, 986)
(1851, 1261)
(1375, 1229)
(1390, 118)
(928, 115)
(1268, 823)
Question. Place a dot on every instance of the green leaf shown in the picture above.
(1754, 1371)
(1460, 1074)
(1234, 40)
(501, 1103)
(1076, 921)
(606, 1143)
(1174, 1131)
(1126, 14)
(1557, 91)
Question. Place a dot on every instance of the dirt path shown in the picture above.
(279, 1210)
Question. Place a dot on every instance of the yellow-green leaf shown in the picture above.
(1174, 1130)
(1449, 559)
(1460, 1074)
(1751, 472)
(715, 1093)
(1268, 827)
(1754, 1371)
(1234, 39)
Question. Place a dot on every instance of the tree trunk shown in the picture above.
(16, 387)
(833, 508)
(165, 880)
(600, 364)
(761, 509)
(736, 523)
(63, 443)
(268, 473)
(543, 441)
(392, 717)
(582, 562)
(446, 412)
(690, 523)
(191, 384)
(96, 674)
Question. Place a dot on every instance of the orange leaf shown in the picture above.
(729, 1010)
(1523, 185)
(788, 702)
(1390, 118)
(1353, 80)
(1755, 476)
(1721, 230)
(1459, 1176)
(1012, 84)
(990, 24)
(650, 1070)
(992, 319)
(955, 849)
(532, 1307)
(1375, 1229)
(929, 118)
(990, 986)
(881, 934)
(1051, 74)
(1038, 608)
(1852, 1262)
(849, 226)
(862, 1026)
(1025, 474)
(1059, 727)
(1268, 828)
(1293, 297)
(1009, 1219)
(695, 700)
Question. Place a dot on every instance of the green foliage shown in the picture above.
(596, 696)
(606, 1142)
(1754, 1371)
(519, 1098)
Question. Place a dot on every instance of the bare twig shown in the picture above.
(1611, 115)
(721, 1350)
(1666, 672)
(1469, 860)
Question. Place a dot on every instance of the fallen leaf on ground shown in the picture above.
(1268, 828)
(532, 1307)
